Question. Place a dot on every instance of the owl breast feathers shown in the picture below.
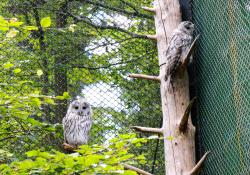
(178, 46)
(77, 123)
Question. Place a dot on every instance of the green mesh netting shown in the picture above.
(223, 57)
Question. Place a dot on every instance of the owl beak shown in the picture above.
(80, 113)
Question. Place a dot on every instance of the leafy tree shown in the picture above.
(71, 45)
(97, 159)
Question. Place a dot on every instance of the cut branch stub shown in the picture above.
(184, 120)
(152, 37)
(142, 76)
(197, 167)
(149, 9)
(139, 171)
(147, 129)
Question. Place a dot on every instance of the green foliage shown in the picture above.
(65, 52)
(96, 159)
(45, 22)
(5, 156)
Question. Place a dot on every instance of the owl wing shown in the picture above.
(174, 52)
(66, 127)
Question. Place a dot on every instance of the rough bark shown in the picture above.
(179, 152)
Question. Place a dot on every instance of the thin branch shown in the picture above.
(6, 138)
(184, 120)
(147, 129)
(197, 167)
(94, 48)
(99, 4)
(156, 150)
(147, 77)
(109, 65)
(107, 27)
(103, 67)
(149, 9)
(130, 5)
(139, 171)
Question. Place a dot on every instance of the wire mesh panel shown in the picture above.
(83, 48)
(223, 58)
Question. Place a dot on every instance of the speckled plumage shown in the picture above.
(178, 46)
(77, 123)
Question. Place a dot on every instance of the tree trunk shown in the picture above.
(45, 77)
(179, 152)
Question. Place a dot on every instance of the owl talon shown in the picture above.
(68, 147)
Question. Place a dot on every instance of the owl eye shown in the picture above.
(76, 107)
(84, 107)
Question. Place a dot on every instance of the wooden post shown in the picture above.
(179, 152)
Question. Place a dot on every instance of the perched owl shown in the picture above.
(77, 123)
(178, 46)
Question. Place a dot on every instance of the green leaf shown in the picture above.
(30, 28)
(45, 22)
(32, 153)
(4, 28)
(129, 172)
(66, 95)
(34, 122)
(142, 161)
(14, 23)
(4, 25)
(26, 164)
(17, 70)
(39, 72)
(49, 101)
(8, 65)
(36, 102)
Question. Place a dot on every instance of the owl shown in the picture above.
(77, 123)
(178, 46)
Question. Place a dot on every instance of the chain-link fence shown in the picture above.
(88, 50)
(223, 58)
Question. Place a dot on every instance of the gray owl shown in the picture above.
(178, 46)
(77, 123)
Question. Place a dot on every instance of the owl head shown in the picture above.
(80, 107)
(186, 27)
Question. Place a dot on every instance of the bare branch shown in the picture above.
(119, 10)
(149, 9)
(104, 66)
(130, 5)
(139, 171)
(197, 167)
(152, 37)
(184, 120)
(107, 27)
(6, 138)
(147, 77)
(147, 129)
